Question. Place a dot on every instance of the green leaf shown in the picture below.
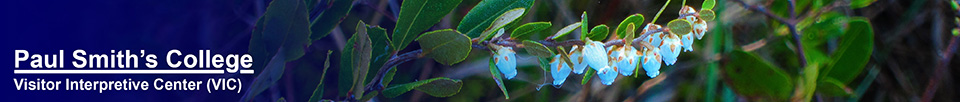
(854, 51)
(707, 14)
(583, 26)
(833, 87)
(599, 32)
(708, 4)
(529, 28)
(446, 46)
(381, 50)
(362, 47)
(855, 4)
(635, 19)
(389, 76)
(283, 25)
(537, 49)
(808, 82)
(680, 27)
(437, 87)
(504, 19)
(281, 100)
(481, 16)
(329, 17)
(345, 81)
(588, 75)
(751, 76)
(566, 30)
(498, 78)
(367, 97)
(318, 92)
(630, 35)
(417, 16)
(268, 77)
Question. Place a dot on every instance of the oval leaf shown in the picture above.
(268, 77)
(446, 46)
(437, 87)
(680, 27)
(751, 76)
(537, 49)
(529, 28)
(708, 4)
(417, 16)
(481, 16)
(854, 52)
(599, 32)
(707, 14)
(635, 19)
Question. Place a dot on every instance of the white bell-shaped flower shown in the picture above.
(559, 70)
(576, 56)
(651, 61)
(687, 41)
(670, 48)
(655, 38)
(628, 60)
(607, 75)
(506, 60)
(699, 28)
(595, 55)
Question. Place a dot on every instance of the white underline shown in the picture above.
(202, 71)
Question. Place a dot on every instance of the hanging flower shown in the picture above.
(627, 60)
(595, 55)
(670, 48)
(607, 75)
(576, 56)
(687, 41)
(506, 60)
(559, 70)
(651, 61)
(655, 38)
(699, 28)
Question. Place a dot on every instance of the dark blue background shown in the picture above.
(97, 26)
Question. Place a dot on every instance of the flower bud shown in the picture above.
(506, 60)
(559, 70)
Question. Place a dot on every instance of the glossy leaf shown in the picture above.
(268, 77)
(588, 75)
(329, 18)
(318, 92)
(680, 27)
(345, 81)
(284, 25)
(417, 16)
(537, 49)
(529, 28)
(446, 46)
(855, 4)
(437, 87)
(566, 30)
(854, 52)
(584, 26)
(708, 4)
(751, 76)
(504, 19)
(486, 12)
(599, 32)
(498, 78)
(635, 19)
(381, 50)
(389, 76)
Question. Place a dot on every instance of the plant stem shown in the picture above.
(791, 23)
